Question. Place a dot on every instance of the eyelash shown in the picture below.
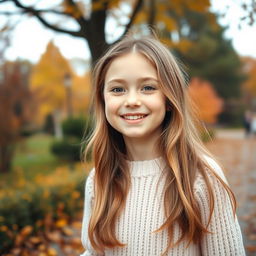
(117, 89)
(144, 88)
(148, 88)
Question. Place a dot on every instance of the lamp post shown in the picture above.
(68, 86)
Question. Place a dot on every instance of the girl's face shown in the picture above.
(134, 103)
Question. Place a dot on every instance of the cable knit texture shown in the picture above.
(144, 213)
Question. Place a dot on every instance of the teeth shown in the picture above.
(134, 117)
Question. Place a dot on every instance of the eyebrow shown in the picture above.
(143, 79)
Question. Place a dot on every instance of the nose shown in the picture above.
(132, 99)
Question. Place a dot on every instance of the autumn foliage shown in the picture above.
(36, 215)
(16, 108)
(207, 103)
(249, 69)
(47, 82)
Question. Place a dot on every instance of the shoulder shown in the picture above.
(211, 173)
(215, 167)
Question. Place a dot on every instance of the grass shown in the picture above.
(32, 157)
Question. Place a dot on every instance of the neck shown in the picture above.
(139, 150)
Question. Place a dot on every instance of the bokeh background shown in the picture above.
(47, 49)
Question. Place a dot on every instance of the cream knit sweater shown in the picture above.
(144, 213)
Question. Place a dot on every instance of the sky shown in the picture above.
(29, 38)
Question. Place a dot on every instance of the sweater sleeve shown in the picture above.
(225, 238)
(89, 194)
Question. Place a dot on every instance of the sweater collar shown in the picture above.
(147, 167)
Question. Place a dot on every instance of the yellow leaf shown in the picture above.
(34, 239)
(54, 236)
(52, 252)
(75, 195)
(67, 231)
(26, 230)
(169, 22)
(3, 228)
(114, 3)
(140, 18)
(61, 223)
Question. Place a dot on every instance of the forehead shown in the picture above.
(130, 65)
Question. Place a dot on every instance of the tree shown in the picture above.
(249, 85)
(208, 104)
(91, 17)
(16, 108)
(209, 55)
(81, 93)
(47, 81)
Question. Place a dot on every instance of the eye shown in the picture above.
(117, 90)
(148, 88)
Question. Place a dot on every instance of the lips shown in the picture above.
(133, 116)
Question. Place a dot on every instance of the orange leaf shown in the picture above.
(26, 230)
(34, 240)
(67, 231)
(52, 252)
(251, 248)
(61, 223)
(54, 236)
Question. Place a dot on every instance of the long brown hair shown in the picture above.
(181, 146)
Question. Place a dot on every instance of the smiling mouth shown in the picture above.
(133, 117)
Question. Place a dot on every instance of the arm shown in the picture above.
(87, 214)
(226, 238)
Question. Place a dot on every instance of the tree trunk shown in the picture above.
(57, 124)
(96, 35)
(6, 154)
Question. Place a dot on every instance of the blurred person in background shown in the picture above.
(247, 122)
(253, 124)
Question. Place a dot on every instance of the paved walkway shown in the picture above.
(237, 154)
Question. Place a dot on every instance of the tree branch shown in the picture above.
(133, 16)
(42, 11)
(10, 13)
(37, 13)
(152, 13)
(80, 19)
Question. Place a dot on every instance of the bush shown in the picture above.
(76, 127)
(70, 147)
(49, 201)
(49, 125)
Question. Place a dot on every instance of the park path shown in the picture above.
(237, 155)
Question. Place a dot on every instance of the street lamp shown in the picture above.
(68, 85)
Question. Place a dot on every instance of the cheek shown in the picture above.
(159, 104)
(111, 105)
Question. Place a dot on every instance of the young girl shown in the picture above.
(154, 190)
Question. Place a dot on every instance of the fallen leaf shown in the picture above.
(52, 252)
(67, 231)
(26, 230)
(35, 240)
(16, 251)
(61, 223)
(54, 236)
(251, 248)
